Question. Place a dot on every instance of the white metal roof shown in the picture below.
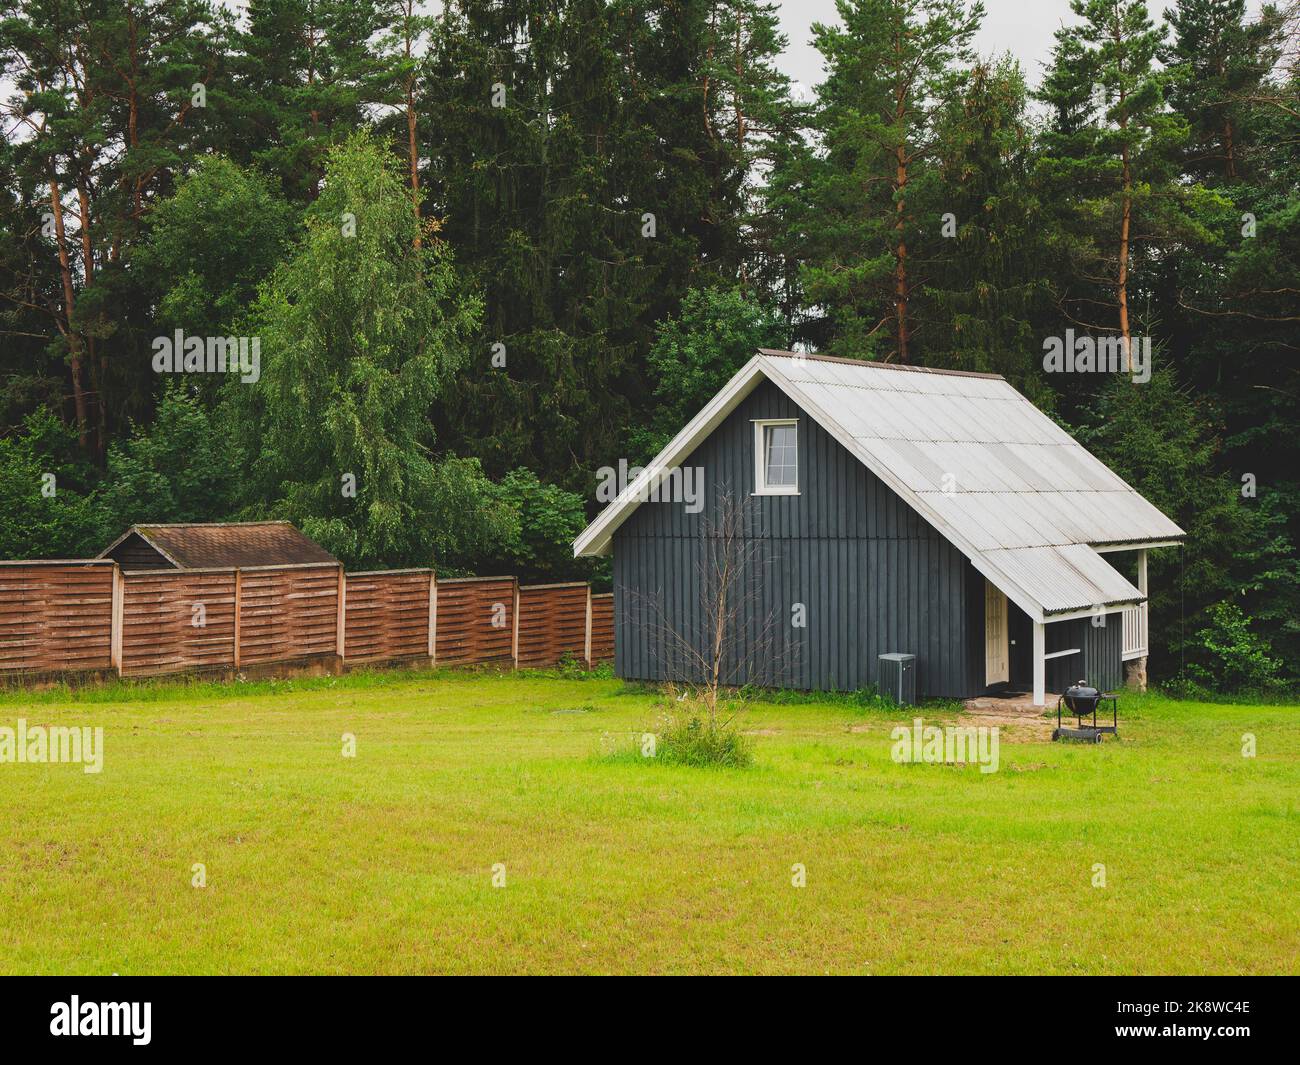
(1007, 485)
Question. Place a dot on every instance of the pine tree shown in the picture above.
(307, 74)
(1110, 154)
(109, 104)
(750, 110)
(404, 49)
(891, 68)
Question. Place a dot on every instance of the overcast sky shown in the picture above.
(1022, 27)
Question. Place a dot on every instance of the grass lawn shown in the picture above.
(383, 863)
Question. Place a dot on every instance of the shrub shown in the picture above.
(688, 737)
(1231, 656)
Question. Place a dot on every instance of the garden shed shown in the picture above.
(886, 509)
(217, 545)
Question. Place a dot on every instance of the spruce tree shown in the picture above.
(986, 299)
(1217, 61)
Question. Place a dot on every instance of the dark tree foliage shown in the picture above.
(987, 299)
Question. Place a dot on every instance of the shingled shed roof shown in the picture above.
(1011, 489)
(224, 544)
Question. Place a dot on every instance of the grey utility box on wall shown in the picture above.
(898, 678)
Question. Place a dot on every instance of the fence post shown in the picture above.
(115, 626)
(433, 618)
(341, 624)
(586, 645)
(514, 634)
(239, 580)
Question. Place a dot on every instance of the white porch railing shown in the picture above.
(1135, 631)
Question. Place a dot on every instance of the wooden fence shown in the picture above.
(56, 616)
(474, 620)
(387, 615)
(553, 623)
(76, 616)
(173, 621)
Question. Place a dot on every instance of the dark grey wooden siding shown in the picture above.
(1021, 634)
(872, 575)
(1098, 662)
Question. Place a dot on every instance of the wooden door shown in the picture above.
(996, 648)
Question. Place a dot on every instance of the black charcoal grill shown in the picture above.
(1081, 701)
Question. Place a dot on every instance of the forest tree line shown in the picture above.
(487, 247)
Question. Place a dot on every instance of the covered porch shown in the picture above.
(1034, 651)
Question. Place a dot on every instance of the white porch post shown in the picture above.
(1142, 587)
(1137, 669)
(1040, 663)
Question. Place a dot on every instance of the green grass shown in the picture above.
(384, 862)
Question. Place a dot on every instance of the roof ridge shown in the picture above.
(878, 365)
(206, 524)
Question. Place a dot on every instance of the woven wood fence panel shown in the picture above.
(59, 617)
(602, 628)
(552, 624)
(475, 619)
(287, 613)
(177, 621)
(387, 615)
(55, 616)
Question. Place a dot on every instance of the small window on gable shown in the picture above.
(776, 453)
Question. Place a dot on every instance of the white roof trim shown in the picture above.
(1134, 545)
(597, 538)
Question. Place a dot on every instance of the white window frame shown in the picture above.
(761, 487)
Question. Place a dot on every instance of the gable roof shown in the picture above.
(223, 544)
(1011, 489)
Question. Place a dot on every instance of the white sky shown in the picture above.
(1023, 27)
